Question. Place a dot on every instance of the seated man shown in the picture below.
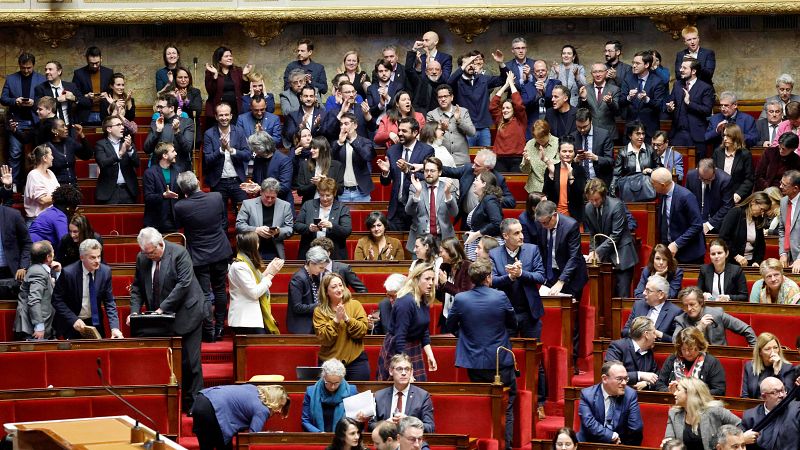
(34, 319)
(402, 398)
(656, 307)
(670, 159)
(350, 278)
(791, 123)
(81, 289)
(768, 124)
(712, 321)
(729, 113)
(636, 354)
(609, 410)
(270, 217)
(730, 437)
(784, 430)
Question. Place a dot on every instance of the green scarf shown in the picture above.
(266, 310)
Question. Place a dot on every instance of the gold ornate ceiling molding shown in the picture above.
(263, 32)
(55, 32)
(673, 25)
(468, 29)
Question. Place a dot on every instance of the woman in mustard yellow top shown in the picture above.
(340, 323)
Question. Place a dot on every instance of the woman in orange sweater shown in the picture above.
(510, 118)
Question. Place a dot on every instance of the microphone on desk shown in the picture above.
(137, 434)
(613, 244)
(497, 379)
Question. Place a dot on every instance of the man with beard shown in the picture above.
(308, 115)
(423, 84)
(690, 104)
(331, 125)
(226, 154)
(355, 153)
(561, 116)
(537, 95)
(161, 190)
(66, 94)
(618, 71)
(397, 71)
(455, 122)
(169, 127)
(382, 91)
(314, 72)
(432, 205)
(472, 91)
(91, 80)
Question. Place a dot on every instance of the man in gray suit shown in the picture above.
(432, 199)
(784, 84)
(602, 99)
(712, 321)
(455, 122)
(35, 313)
(164, 282)
(789, 242)
(270, 217)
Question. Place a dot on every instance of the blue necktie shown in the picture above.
(93, 301)
(641, 84)
(549, 267)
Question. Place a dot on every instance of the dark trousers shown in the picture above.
(622, 283)
(528, 327)
(192, 380)
(212, 280)
(508, 164)
(358, 369)
(507, 376)
(230, 190)
(120, 196)
(206, 426)
(400, 221)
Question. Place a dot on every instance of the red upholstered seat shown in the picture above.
(465, 414)
(28, 370)
(120, 285)
(7, 325)
(125, 365)
(75, 368)
(643, 225)
(733, 375)
(53, 409)
(271, 361)
(292, 248)
(291, 423)
(784, 327)
(654, 418)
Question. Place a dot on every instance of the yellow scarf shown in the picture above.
(266, 310)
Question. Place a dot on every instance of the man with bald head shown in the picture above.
(428, 47)
(537, 95)
(678, 219)
(783, 431)
(422, 84)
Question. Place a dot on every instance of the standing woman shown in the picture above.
(351, 67)
(79, 230)
(543, 146)
(453, 276)
(377, 246)
(636, 157)
(250, 311)
(301, 150)
(220, 412)
(224, 84)
(166, 74)
(569, 72)
(115, 101)
(319, 165)
(511, 120)
(400, 108)
(41, 182)
(742, 230)
(66, 148)
(768, 361)
(411, 319)
(720, 280)
(485, 218)
(735, 159)
(565, 181)
(340, 323)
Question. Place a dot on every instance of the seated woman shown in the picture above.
(453, 276)
(242, 407)
(322, 403)
(426, 250)
(690, 360)
(661, 263)
(742, 229)
(485, 218)
(115, 101)
(387, 127)
(324, 217)
(565, 439)
(249, 311)
(66, 148)
(636, 157)
(696, 417)
(346, 436)
(79, 230)
(511, 120)
(773, 287)
(52, 224)
(340, 323)
(773, 215)
(721, 280)
(565, 180)
(320, 165)
(768, 361)
(41, 182)
(377, 246)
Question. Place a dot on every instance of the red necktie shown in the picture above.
(399, 402)
(434, 227)
(788, 229)
(599, 94)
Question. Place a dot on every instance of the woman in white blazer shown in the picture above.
(249, 311)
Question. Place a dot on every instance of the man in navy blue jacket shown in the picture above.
(355, 153)
(713, 190)
(258, 119)
(472, 91)
(315, 72)
(678, 219)
(225, 154)
(706, 57)
(690, 104)
(729, 113)
(643, 94)
(609, 410)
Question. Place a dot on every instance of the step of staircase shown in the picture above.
(217, 352)
(216, 374)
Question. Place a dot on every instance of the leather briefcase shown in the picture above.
(150, 324)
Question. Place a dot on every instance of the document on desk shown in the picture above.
(363, 402)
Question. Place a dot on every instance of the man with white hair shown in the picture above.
(164, 283)
(382, 321)
(80, 291)
(729, 113)
(655, 306)
(784, 85)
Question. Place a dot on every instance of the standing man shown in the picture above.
(65, 93)
(472, 90)
(607, 215)
(729, 113)
(170, 127)
(713, 191)
(381, 92)
(432, 205)
(643, 94)
(259, 119)
(80, 291)
(602, 100)
(704, 56)
(455, 122)
(482, 317)
(314, 72)
(609, 410)
(595, 147)
(402, 398)
(690, 104)
(678, 219)
(561, 117)
(34, 318)
(398, 71)
(521, 65)
(270, 217)
(422, 84)
(204, 221)
(164, 282)
(91, 80)
(429, 47)
(308, 114)
(290, 97)
(160, 186)
(17, 97)
(355, 153)
(226, 154)
(117, 160)
(537, 95)
(788, 229)
(618, 71)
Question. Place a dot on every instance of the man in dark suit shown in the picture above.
(169, 127)
(422, 85)
(704, 56)
(382, 90)
(607, 215)
(428, 46)
(117, 160)
(402, 398)
(225, 154)
(713, 190)
(635, 353)
(656, 307)
(304, 292)
(670, 158)
(521, 65)
(66, 94)
(161, 191)
(344, 270)
(609, 410)
(34, 317)
(602, 100)
(331, 125)
(17, 97)
(355, 153)
(472, 91)
(15, 242)
(642, 94)
(80, 291)
(308, 115)
(678, 219)
(258, 119)
(767, 125)
(481, 318)
(561, 116)
(397, 71)
(729, 113)
(91, 80)
(595, 147)
(268, 162)
(164, 282)
(618, 71)
(205, 224)
(783, 431)
(314, 72)
(690, 104)
(537, 96)
(396, 169)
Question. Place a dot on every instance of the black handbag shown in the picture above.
(150, 324)
(636, 187)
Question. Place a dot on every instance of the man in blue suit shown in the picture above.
(258, 119)
(225, 154)
(729, 113)
(428, 46)
(690, 104)
(537, 95)
(609, 410)
(678, 219)
(643, 94)
(481, 318)
(416, 402)
(80, 291)
(18, 98)
(655, 306)
(706, 57)
(396, 169)
(635, 353)
(270, 163)
(309, 115)
(331, 125)
(713, 189)
(784, 430)
(381, 92)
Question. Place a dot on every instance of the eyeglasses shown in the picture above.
(776, 392)
(403, 369)
(621, 379)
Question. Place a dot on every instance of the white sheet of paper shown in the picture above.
(363, 402)
(545, 290)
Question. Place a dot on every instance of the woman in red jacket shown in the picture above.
(510, 118)
(224, 84)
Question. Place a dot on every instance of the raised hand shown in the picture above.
(5, 175)
(160, 124)
(383, 164)
(498, 56)
(213, 70)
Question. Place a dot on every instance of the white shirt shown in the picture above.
(552, 239)
(86, 307)
(654, 312)
(64, 106)
(394, 399)
(349, 173)
(718, 284)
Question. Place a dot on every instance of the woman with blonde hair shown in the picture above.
(250, 311)
(768, 361)
(543, 147)
(773, 216)
(774, 287)
(351, 67)
(340, 323)
(410, 321)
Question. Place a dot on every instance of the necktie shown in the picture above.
(641, 84)
(599, 94)
(787, 228)
(406, 157)
(610, 413)
(399, 402)
(93, 301)
(703, 211)
(551, 243)
(772, 130)
(434, 224)
(664, 220)
(599, 217)
(156, 287)
(587, 164)
(59, 111)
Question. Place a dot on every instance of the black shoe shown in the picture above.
(218, 334)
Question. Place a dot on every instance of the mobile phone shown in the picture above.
(581, 150)
(26, 99)
(273, 229)
(317, 221)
